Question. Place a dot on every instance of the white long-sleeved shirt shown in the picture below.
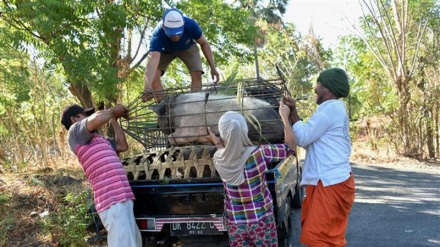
(326, 138)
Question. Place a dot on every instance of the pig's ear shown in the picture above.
(160, 109)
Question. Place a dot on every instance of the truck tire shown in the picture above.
(299, 196)
(146, 242)
(285, 231)
(162, 239)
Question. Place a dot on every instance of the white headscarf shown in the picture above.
(230, 160)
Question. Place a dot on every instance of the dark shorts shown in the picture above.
(190, 57)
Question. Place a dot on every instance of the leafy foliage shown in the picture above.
(93, 42)
(68, 225)
(390, 69)
(370, 94)
(6, 222)
(225, 27)
(13, 69)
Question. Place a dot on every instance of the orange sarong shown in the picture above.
(325, 212)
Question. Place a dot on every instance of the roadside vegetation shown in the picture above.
(54, 53)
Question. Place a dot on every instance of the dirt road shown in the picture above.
(397, 204)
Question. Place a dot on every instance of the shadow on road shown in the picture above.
(394, 207)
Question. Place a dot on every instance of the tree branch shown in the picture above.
(376, 50)
(420, 32)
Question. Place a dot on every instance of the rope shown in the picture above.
(204, 111)
(168, 115)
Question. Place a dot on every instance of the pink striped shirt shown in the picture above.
(103, 170)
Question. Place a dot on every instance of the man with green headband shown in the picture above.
(327, 174)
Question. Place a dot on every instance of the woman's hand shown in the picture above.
(289, 137)
(213, 138)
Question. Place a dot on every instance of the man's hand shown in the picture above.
(290, 102)
(120, 111)
(150, 94)
(215, 76)
(103, 116)
(147, 95)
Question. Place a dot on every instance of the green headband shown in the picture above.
(336, 81)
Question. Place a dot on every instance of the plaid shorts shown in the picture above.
(263, 233)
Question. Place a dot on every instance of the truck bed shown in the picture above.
(194, 206)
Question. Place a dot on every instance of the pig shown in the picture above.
(185, 117)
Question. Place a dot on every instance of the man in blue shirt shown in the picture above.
(176, 36)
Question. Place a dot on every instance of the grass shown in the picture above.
(43, 206)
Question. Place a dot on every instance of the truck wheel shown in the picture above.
(299, 196)
(285, 231)
(205, 241)
(147, 242)
(161, 239)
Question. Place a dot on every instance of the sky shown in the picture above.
(328, 17)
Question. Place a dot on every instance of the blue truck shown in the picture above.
(179, 194)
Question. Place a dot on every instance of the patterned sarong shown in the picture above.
(261, 234)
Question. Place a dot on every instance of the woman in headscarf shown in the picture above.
(242, 166)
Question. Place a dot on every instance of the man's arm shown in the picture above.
(294, 117)
(121, 141)
(206, 49)
(150, 70)
(103, 116)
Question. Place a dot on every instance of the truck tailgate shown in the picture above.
(178, 197)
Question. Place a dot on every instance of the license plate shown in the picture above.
(194, 228)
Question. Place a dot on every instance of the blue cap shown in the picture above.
(173, 22)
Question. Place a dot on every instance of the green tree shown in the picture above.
(264, 13)
(94, 42)
(298, 58)
(399, 35)
(295, 59)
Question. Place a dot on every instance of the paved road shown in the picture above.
(396, 205)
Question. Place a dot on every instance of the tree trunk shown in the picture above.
(430, 135)
(403, 115)
(436, 115)
(83, 93)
